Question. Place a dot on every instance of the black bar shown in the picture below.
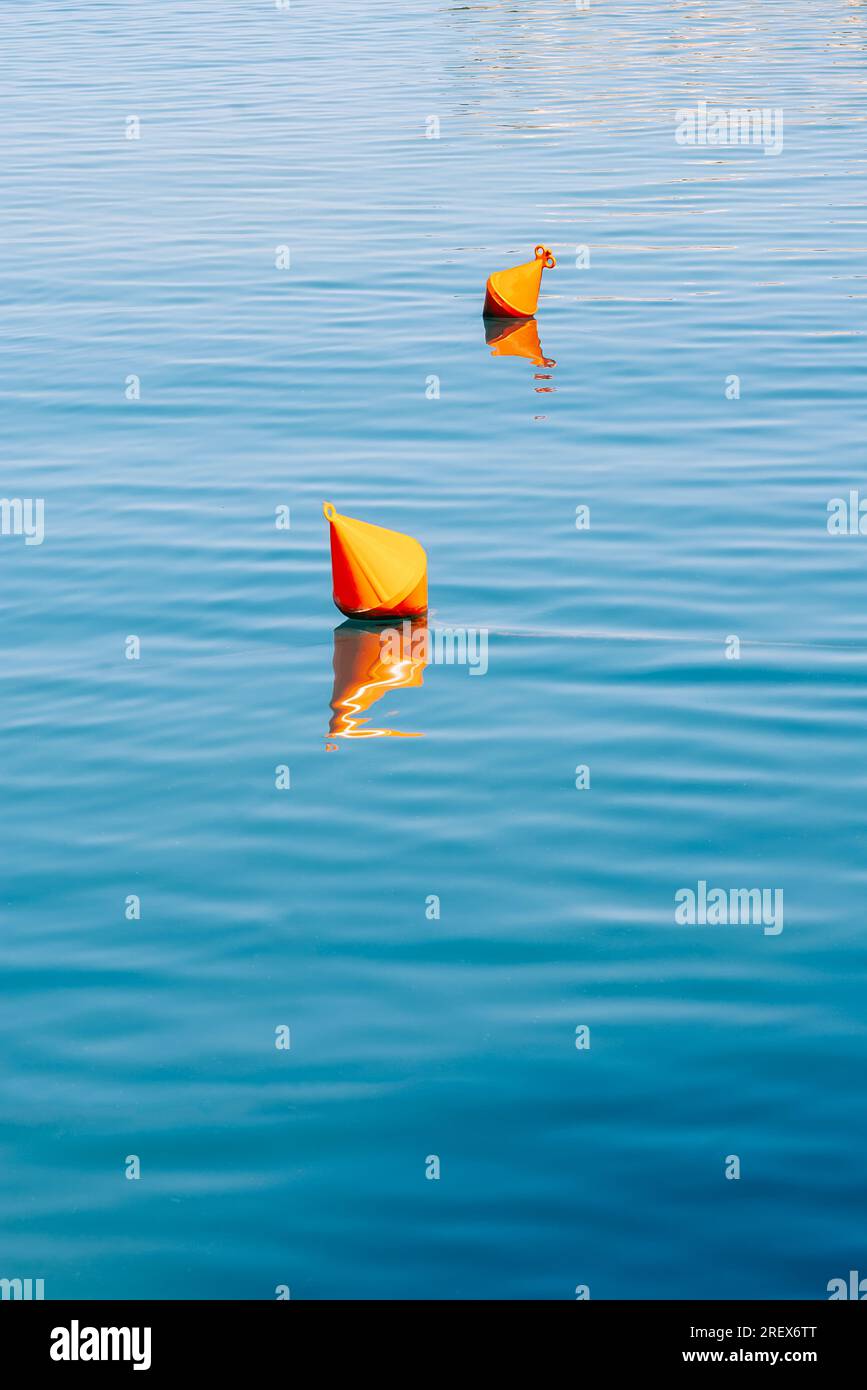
(256, 1339)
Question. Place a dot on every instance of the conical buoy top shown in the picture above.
(514, 294)
(377, 573)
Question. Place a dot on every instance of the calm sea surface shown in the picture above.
(261, 387)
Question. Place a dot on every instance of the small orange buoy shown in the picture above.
(377, 573)
(514, 294)
(516, 338)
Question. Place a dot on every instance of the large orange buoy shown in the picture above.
(377, 573)
(516, 338)
(514, 294)
(366, 668)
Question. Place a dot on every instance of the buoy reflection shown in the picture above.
(371, 660)
(516, 338)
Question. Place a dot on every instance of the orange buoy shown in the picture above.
(514, 294)
(366, 667)
(377, 573)
(516, 338)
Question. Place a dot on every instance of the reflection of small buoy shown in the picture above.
(514, 294)
(377, 573)
(371, 661)
(516, 338)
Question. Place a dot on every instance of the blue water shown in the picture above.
(261, 388)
